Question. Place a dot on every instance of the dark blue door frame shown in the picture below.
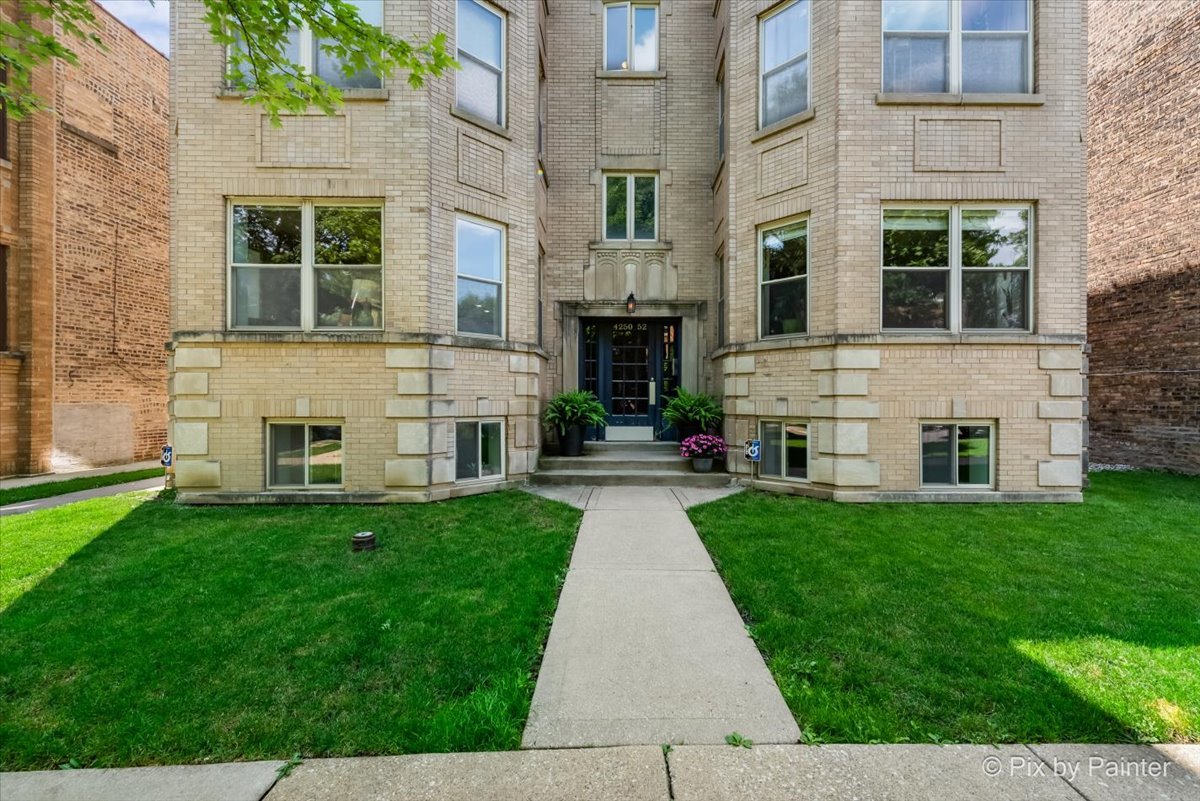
(630, 364)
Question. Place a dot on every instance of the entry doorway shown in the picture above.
(631, 365)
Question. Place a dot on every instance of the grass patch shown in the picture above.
(50, 489)
(194, 634)
(975, 623)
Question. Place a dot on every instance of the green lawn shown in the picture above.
(52, 488)
(141, 632)
(976, 623)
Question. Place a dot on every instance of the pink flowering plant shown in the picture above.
(703, 446)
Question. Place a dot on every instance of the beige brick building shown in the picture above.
(861, 225)
(83, 260)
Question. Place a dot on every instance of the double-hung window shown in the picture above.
(321, 56)
(306, 264)
(783, 279)
(783, 43)
(304, 454)
(480, 82)
(631, 207)
(631, 37)
(478, 450)
(957, 268)
(784, 449)
(968, 46)
(957, 454)
(721, 116)
(479, 260)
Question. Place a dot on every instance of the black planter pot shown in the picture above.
(570, 442)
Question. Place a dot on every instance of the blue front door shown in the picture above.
(630, 364)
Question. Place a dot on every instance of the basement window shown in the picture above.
(303, 455)
(478, 450)
(957, 454)
(784, 450)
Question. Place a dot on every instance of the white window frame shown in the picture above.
(479, 422)
(808, 452)
(758, 303)
(629, 199)
(722, 299)
(722, 121)
(503, 309)
(502, 100)
(762, 54)
(954, 288)
(308, 423)
(308, 265)
(954, 424)
(954, 48)
(629, 28)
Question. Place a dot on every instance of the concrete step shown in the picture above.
(648, 447)
(631, 478)
(623, 461)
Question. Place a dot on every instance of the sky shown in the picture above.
(152, 22)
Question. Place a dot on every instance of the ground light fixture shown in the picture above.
(631, 303)
(363, 541)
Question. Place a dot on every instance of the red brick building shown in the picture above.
(83, 261)
(1144, 233)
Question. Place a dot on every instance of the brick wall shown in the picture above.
(1143, 235)
(86, 212)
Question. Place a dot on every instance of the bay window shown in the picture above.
(783, 279)
(957, 268)
(967, 46)
(479, 260)
(631, 207)
(783, 44)
(305, 264)
(957, 454)
(631, 37)
(479, 83)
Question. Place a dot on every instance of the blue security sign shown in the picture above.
(752, 450)
(168, 455)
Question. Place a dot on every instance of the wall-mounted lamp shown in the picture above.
(631, 303)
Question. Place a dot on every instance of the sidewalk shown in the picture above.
(644, 773)
(46, 478)
(22, 507)
(646, 646)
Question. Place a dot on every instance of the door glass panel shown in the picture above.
(591, 358)
(630, 369)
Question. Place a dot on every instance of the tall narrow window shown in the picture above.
(304, 454)
(480, 82)
(783, 279)
(542, 102)
(3, 297)
(956, 455)
(631, 37)
(971, 46)
(541, 296)
(721, 116)
(478, 450)
(962, 268)
(4, 115)
(721, 290)
(479, 255)
(784, 450)
(631, 207)
(306, 265)
(783, 40)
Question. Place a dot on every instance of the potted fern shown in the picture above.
(569, 414)
(692, 413)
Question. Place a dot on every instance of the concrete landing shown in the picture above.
(646, 646)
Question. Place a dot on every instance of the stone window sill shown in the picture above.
(783, 125)
(348, 95)
(950, 99)
(487, 125)
(625, 244)
(631, 75)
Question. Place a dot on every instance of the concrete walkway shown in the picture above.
(646, 646)
(46, 478)
(644, 773)
(145, 485)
